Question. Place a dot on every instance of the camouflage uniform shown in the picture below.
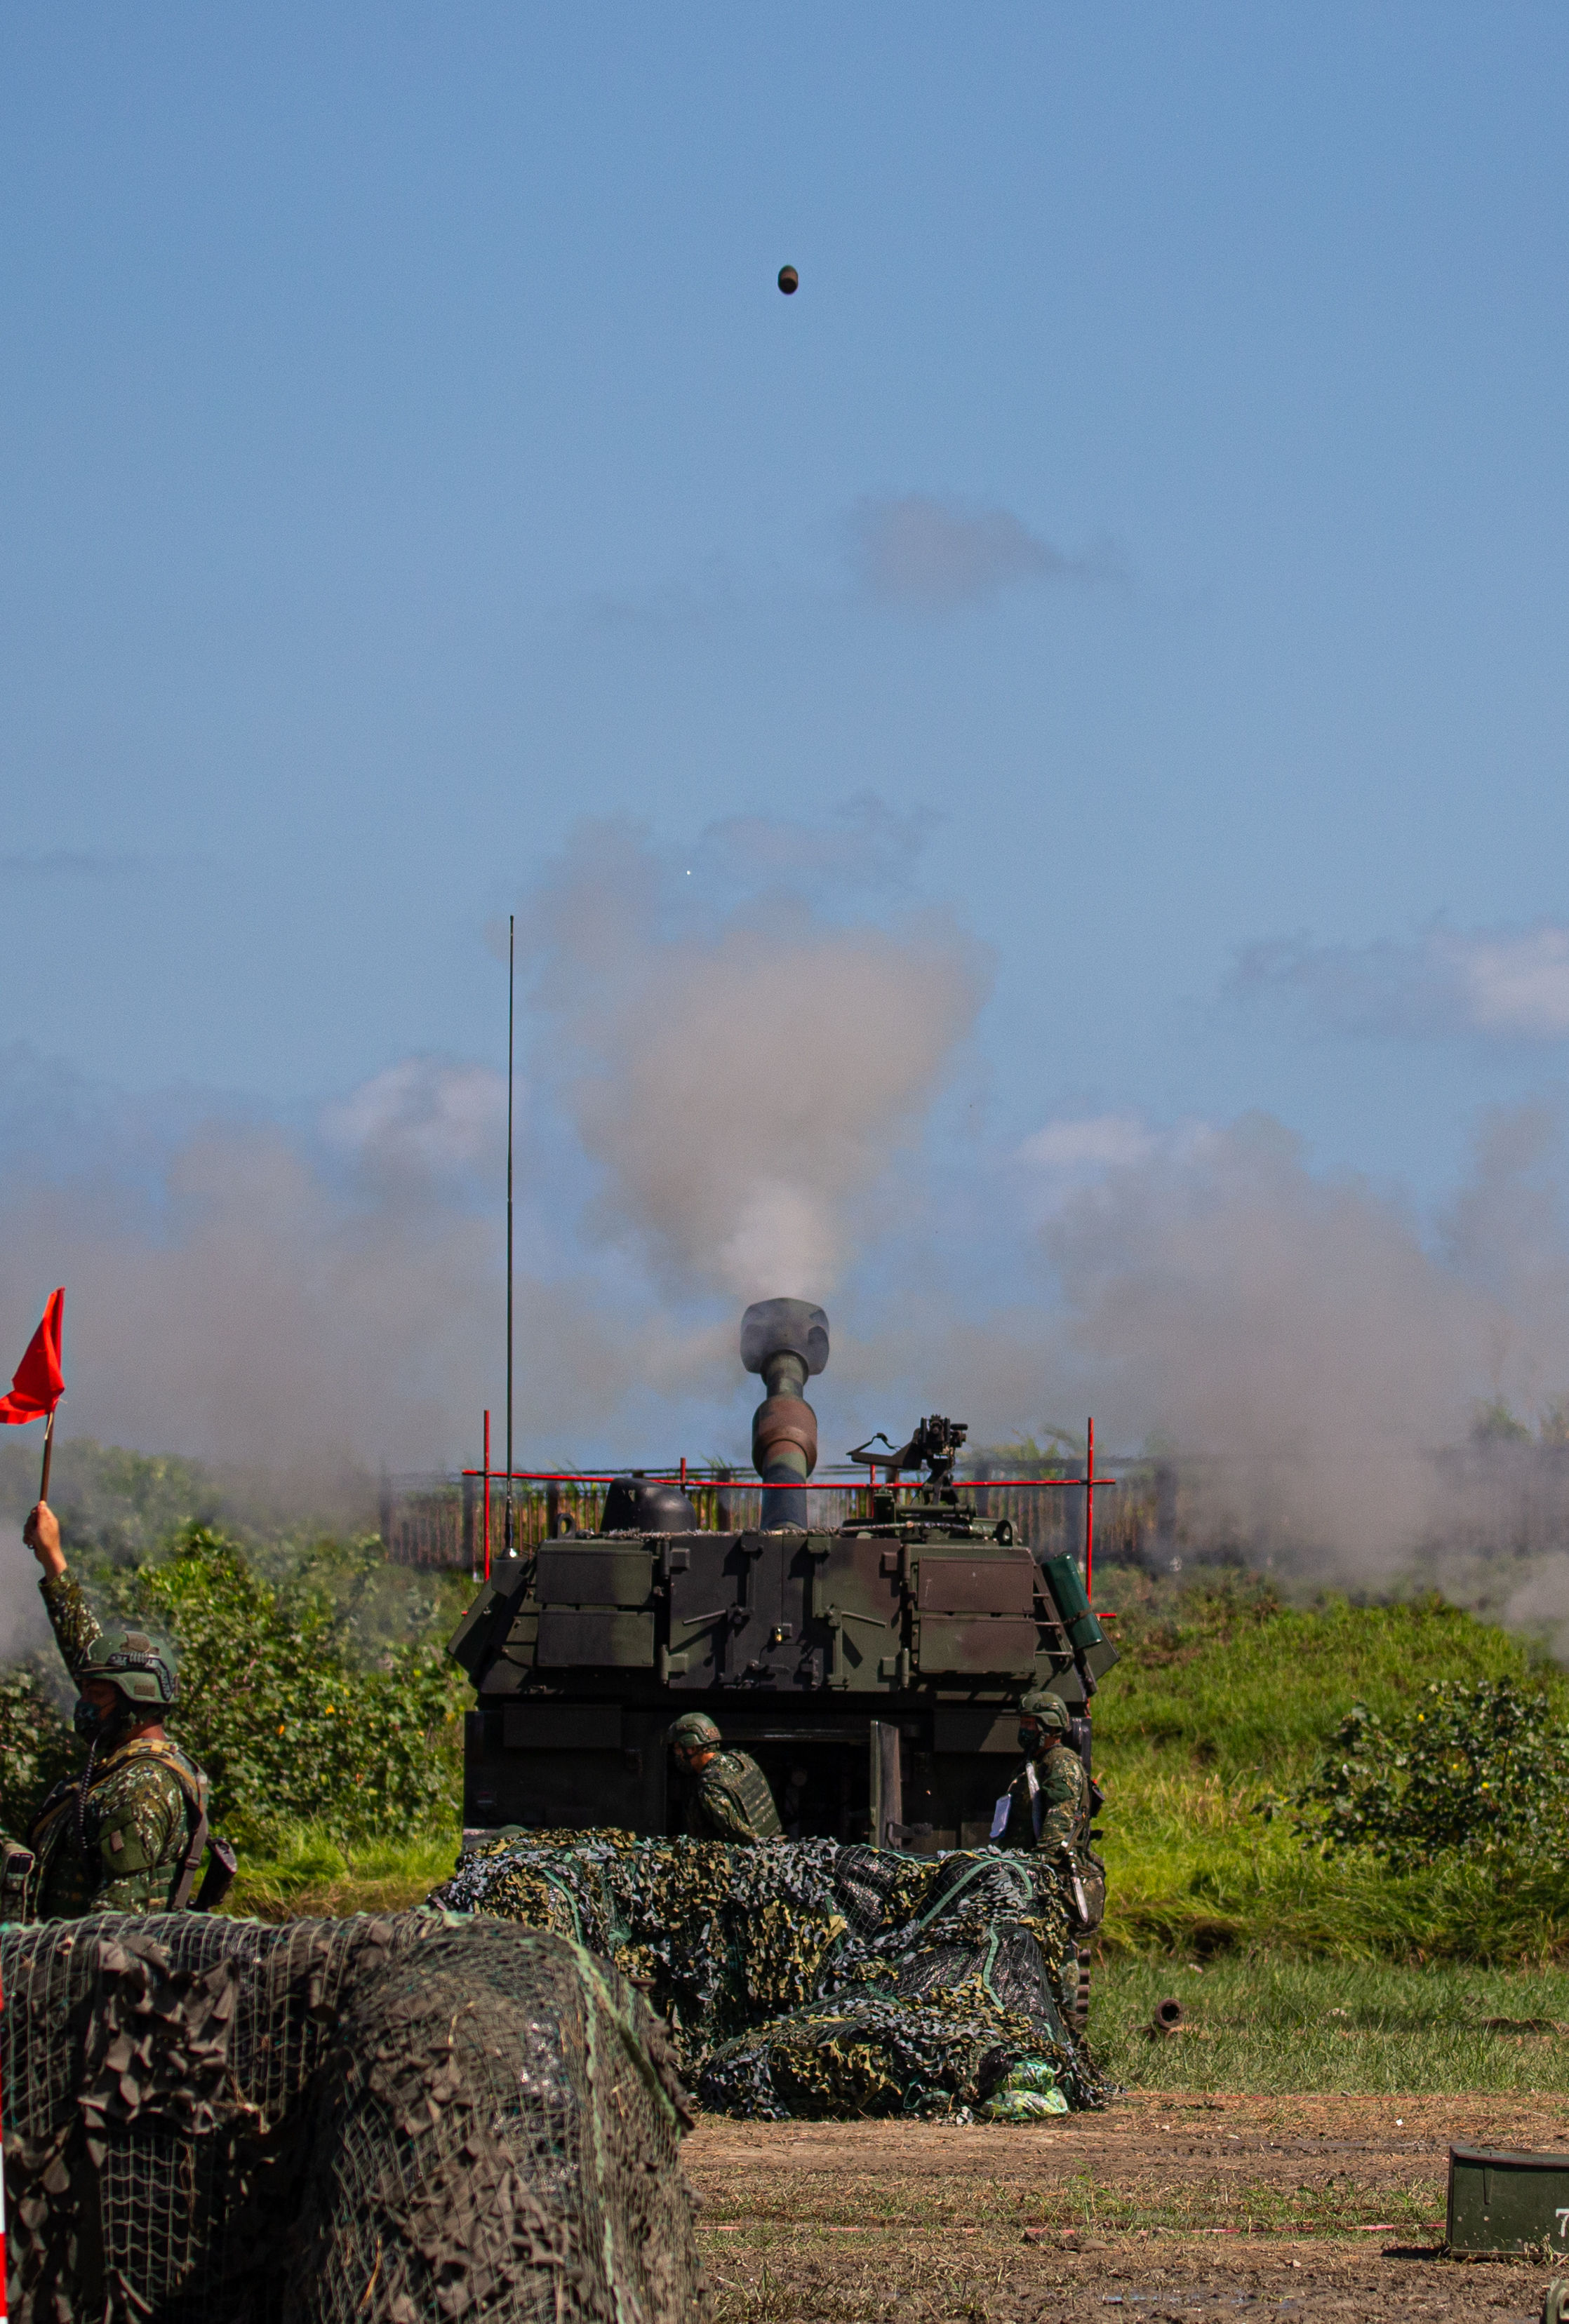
(730, 1800)
(1050, 1815)
(144, 1804)
(1051, 1812)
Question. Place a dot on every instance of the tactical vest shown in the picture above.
(1029, 1778)
(752, 1788)
(738, 1775)
(169, 1882)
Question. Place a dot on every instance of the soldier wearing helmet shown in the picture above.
(1047, 1806)
(727, 1793)
(126, 1835)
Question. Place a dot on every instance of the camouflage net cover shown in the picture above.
(398, 2121)
(801, 1977)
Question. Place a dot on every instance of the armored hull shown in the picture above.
(872, 1672)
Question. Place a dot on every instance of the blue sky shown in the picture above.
(1153, 501)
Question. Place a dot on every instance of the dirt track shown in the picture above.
(1163, 2206)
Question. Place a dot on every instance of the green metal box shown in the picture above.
(1503, 2201)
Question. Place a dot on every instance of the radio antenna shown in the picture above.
(512, 995)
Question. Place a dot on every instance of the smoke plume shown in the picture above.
(313, 1307)
(744, 1081)
(1302, 1345)
(722, 1092)
(738, 1098)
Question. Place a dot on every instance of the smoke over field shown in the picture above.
(705, 1103)
(1310, 1338)
(751, 1096)
(743, 1083)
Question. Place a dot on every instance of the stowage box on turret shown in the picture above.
(872, 1672)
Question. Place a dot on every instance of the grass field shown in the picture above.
(314, 1878)
(1224, 1701)
(1264, 2024)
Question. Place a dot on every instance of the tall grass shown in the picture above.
(1224, 1701)
(312, 1875)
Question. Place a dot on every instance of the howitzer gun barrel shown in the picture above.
(785, 1341)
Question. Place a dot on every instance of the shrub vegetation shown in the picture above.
(329, 1730)
(1476, 1771)
(1229, 1707)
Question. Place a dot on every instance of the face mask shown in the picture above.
(87, 1718)
(1030, 1741)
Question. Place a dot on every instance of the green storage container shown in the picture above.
(1500, 2201)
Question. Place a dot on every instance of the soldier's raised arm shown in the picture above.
(76, 1627)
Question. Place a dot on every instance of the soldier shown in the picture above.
(127, 1835)
(727, 1793)
(1046, 1807)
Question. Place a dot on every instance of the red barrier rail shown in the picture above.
(829, 1481)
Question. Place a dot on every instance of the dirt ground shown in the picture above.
(1165, 2205)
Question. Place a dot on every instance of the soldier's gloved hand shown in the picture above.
(41, 1534)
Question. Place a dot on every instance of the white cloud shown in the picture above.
(1080, 1154)
(1517, 985)
(1106, 1141)
(1496, 984)
(424, 1114)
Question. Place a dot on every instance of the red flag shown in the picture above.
(38, 1382)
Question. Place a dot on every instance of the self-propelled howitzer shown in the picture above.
(873, 1671)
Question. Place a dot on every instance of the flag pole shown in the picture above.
(511, 993)
(48, 1453)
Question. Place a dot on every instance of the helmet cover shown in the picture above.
(694, 1731)
(1050, 1709)
(142, 1670)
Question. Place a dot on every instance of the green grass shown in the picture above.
(1266, 2026)
(1223, 1699)
(780, 2212)
(313, 1877)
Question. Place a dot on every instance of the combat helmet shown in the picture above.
(142, 1670)
(696, 1731)
(1050, 1709)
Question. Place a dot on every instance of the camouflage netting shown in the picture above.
(804, 1978)
(404, 2121)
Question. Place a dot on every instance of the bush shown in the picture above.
(36, 1746)
(1478, 1770)
(283, 1703)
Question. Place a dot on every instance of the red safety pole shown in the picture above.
(487, 1496)
(1090, 1517)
